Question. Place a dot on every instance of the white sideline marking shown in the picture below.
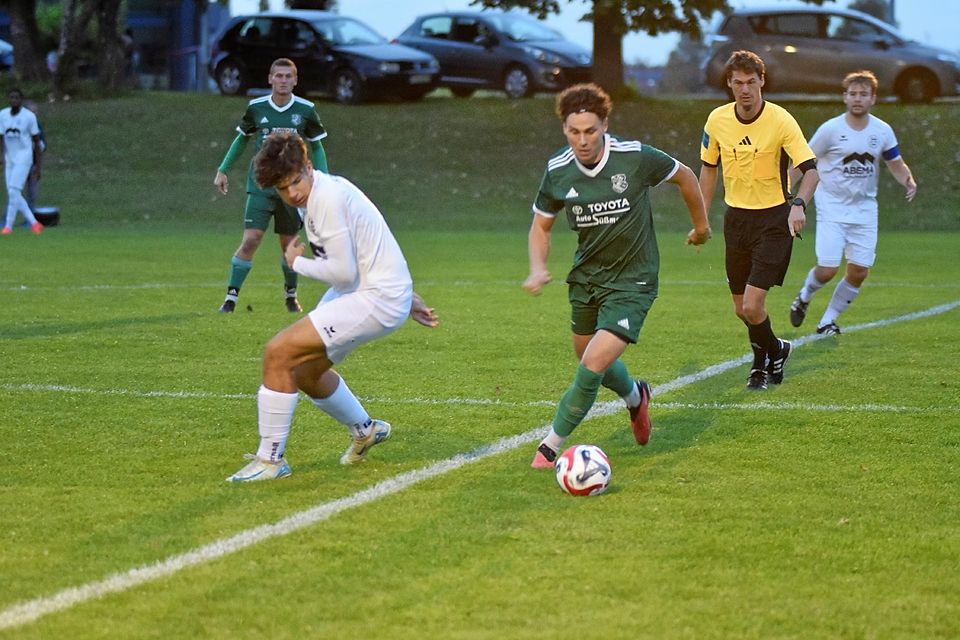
(32, 610)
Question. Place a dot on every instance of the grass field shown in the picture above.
(825, 508)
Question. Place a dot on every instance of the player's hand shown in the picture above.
(536, 281)
(796, 220)
(911, 188)
(293, 251)
(699, 237)
(423, 314)
(221, 182)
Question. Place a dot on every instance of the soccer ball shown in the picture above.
(583, 470)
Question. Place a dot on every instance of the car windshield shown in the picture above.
(347, 32)
(523, 29)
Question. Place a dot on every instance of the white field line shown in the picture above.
(26, 612)
(149, 286)
(493, 402)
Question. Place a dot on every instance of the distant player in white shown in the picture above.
(849, 148)
(371, 294)
(20, 153)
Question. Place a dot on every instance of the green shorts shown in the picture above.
(620, 312)
(261, 207)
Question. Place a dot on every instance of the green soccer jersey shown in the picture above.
(609, 208)
(264, 117)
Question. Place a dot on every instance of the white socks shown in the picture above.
(810, 286)
(554, 441)
(275, 413)
(15, 203)
(343, 406)
(843, 295)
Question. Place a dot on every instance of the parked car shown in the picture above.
(495, 50)
(6, 55)
(334, 54)
(811, 49)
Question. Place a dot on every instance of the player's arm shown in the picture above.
(338, 268)
(708, 183)
(318, 156)
(901, 172)
(538, 247)
(689, 186)
(237, 147)
(710, 159)
(37, 157)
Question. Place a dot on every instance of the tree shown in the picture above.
(29, 61)
(613, 19)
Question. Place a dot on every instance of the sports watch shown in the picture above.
(798, 202)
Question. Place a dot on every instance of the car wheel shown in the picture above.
(462, 92)
(347, 87)
(516, 83)
(918, 85)
(231, 79)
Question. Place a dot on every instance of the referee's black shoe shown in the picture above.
(775, 364)
(757, 380)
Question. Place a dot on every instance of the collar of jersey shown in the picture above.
(592, 173)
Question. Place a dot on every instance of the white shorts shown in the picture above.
(16, 174)
(346, 321)
(836, 240)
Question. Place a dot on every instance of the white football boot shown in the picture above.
(258, 469)
(358, 448)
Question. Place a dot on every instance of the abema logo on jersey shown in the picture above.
(859, 165)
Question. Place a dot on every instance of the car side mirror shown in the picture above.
(881, 43)
(486, 40)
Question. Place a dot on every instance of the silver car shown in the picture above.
(810, 50)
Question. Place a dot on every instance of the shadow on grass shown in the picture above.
(33, 330)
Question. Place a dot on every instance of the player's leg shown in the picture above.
(829, 249)
(16, 175)
(738, 262)
(287, 223)
(256, 217)
(294, 347)
(860, 251)
(770, 259)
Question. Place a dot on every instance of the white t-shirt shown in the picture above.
(352, 246)
(18, 131)
(848, 162)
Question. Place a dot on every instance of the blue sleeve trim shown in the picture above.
(705, 141)
(891, 154)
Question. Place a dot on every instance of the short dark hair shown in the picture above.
(15, 90)
(282, 155)
(745, 61)
(584, 98)
(863, 76)
(283, 62)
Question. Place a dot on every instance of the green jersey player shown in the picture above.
(601, 184)
(280, 111)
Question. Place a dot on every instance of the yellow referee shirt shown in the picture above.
(752, 154)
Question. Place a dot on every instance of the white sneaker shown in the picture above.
(258, 469)
(358, 448)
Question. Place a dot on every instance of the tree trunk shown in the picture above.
(608, 32)
(29, 63)
(76, 16)
(111, 61)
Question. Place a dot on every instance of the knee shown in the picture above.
(825, 274)
(752, 313)
(276, 355)
(856, 274)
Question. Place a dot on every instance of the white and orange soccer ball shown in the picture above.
(583, 470)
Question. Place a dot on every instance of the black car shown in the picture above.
(334, 54)
(811, 49)
(495, 50)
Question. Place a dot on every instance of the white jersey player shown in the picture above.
(849, 149)
(20, 150)
(370, 295)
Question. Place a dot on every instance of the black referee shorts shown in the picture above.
(759, 245)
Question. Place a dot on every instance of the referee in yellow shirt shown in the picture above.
(755, 141)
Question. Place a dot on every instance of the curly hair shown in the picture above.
(861, 77)
(584, 98)
(282, 155)
(745, 61)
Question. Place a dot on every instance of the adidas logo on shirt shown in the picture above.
(264, 120)
(624, 323)
(746, 141)
(572, 193)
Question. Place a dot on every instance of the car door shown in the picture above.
(476, 53)
(434, 37)
(854, 44)
(254, 49)
(793, 51)
(298, 41)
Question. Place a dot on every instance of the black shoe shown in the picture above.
(228, 306)
(775, 365)
(757, 380)
(830, 329)
(293, 305)
(798, 311)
